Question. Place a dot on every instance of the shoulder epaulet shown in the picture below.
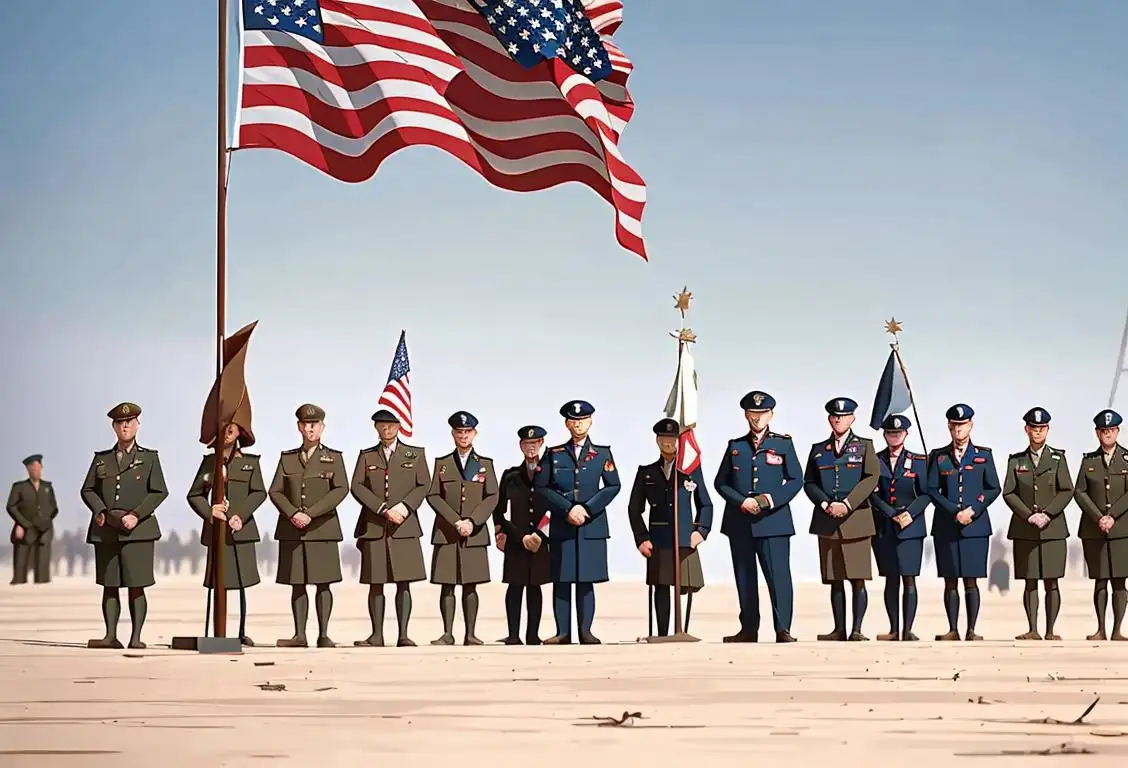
(252, 456)
(937, 452)
(780, 435)
(914, 455)
(983, 448)
(371, 449)
(1055, 451)
(407, 447)
(291, 452)
(601, 447)
(1016, 455)
(557, 448)
(141, 449)
(331, 450)
(484, 458)
(1092, 454)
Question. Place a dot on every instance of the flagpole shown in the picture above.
(893, 327)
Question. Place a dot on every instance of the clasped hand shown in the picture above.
(1105, 523)
(464, 528)
(300, 519)
(577, 515)
(396, 514)
(904, 520)
(18, 532)
(963, 517)
(837, 509)
(750, 506)
(531, 542)
(1039, 520)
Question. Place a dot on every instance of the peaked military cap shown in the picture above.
(959, 413)
(757, 401)
(841, 406)
(124, 412)
(33, 458)
(667, 428)
(577, 409)
(1107, 419)
(894, 423)
(384, 416)
(531, 432)
(309, 413)
(462, 420)
(1037, 417)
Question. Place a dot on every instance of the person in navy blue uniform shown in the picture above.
(841, 475)
(520, 531)
(655, 485)
(759, 476)
(577, 480)
(899, 504)
(963, 482)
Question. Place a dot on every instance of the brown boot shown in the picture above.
(297, 641)
(1098, 635)
(972, 637)
(888, 636)
(1032, 635)
(948, 636)
(837, 636)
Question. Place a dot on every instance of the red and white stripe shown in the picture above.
(399, 73)
(396, 397)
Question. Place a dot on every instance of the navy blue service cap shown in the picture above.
(532, 432)
(1037, 417)
(959, 413)
(841, 406)
(462, 420)
(384, 416)
(667, 428)
(757, 401)
(1107, 419)
(577, 409)
(895, 423)
(33, 458)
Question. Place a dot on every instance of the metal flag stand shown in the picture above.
(680, 635)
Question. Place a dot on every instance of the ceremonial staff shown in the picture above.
(893, 328)
(676, 408)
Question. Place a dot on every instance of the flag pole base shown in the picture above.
(226, 645)
(679, 637)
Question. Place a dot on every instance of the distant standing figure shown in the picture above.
(175, 553)
(123, 488)
(390, 481)
(841, 476)
(963, 483)
(269, 549)
(999, 576)
(309, 483)
(1037, 488)
(463, 494)
(1102, 494)
(32, 507)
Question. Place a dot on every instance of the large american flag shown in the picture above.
(529, 93)
(397, 392)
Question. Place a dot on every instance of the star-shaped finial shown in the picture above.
(892, 326)
(687, 334)
(682, 300)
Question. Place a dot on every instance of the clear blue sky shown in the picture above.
(812, 169)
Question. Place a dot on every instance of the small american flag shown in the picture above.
(397, 392)
(529, 93)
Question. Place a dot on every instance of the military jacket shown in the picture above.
(770, 468)
(379, 483)
(972, 483)
(902, 487)
(113, 488)
(316, 488)
(590, 480)
(33, 510)
(850, 477)
(520, 511)
(245, 492)
(654, 490)
(1044, 487)
(462, 493)
(1103, 491)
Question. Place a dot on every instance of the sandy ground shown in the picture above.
(889, 704)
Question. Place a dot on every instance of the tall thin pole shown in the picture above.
(677, 537)
(1119, 364)
(219, 483)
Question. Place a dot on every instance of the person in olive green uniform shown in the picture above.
(123, 488)
(32, 506)
(463, 494)
(390, 482)
(1102, 494)
(842, 473)
(308, 485)
(244, 492)
(1038, 488)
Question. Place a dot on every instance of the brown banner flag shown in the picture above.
(229, 393)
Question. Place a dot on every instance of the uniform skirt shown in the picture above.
(962, 558)
(1039, 559)
(240, 566)
(308, 562)
(898, 557)
(391, 561)
(1106, 558)
(845, 559)
(529, 569)
(660, 569)
(459, 564)
(128, 564)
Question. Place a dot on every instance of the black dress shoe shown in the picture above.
(558, 640)
(785, 637)
(837, 636)
(534, 640)
(858, 637)
(325, 642)
(587, 638)
(740, 637)
(511, 641)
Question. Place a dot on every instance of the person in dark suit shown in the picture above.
(899, 504)
(32, 507)
(576, 481)
(657, 485)
(521, 532)
(963, 483)
(758, 477)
